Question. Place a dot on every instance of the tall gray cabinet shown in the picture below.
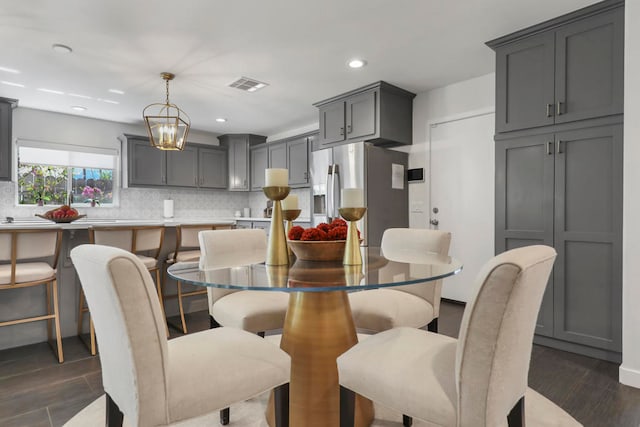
(558, 142)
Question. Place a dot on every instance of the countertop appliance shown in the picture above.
(380, 172)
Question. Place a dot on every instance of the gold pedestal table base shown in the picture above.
(318, 328)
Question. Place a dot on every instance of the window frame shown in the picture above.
(112, 151)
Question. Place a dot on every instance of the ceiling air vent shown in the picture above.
(247, 84)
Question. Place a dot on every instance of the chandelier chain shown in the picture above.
(167, 83)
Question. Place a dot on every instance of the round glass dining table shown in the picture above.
(318, 325)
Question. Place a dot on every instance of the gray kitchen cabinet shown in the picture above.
(238, 150)
(146, 165)
(332, 122)
(524, 200)
(243, 224)
(380, 113)
(212, 167)
(293, 154)
(564, 70)
(259, 162)
(182, 167)
(298, 161)
(6, 121)
(278, 155)
(196, 166)
(559, 169)
(564, 190)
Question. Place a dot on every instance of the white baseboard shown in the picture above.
(630, 377)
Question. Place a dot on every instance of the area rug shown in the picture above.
(246, 414)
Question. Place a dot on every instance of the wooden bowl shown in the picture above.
(62, 220)
(330, 250)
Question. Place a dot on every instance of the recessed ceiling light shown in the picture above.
(357, 63)
(77, 95)
(55, 92)
(9, 70)
(118, 91)
(61, 48)
(12, 84)
(221, 120)
(78, 108)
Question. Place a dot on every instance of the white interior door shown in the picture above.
(462, 192)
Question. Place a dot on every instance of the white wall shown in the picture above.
(630, 368)
(69, 129)
(454, 101)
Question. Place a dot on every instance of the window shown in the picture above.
(54, 174)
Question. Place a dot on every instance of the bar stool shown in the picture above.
(187, 250)
(145, 241)
(31, 244)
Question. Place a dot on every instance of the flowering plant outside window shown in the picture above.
(91, 194)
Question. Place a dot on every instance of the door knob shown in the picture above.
(434, 222)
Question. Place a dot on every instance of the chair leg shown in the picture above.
(433, 326)
(159, 289)
(92, 336)
(407, 421)
(516, 416)
(281, 404)
(184, 324)
(57, 320)
(225, 416)
(347, 407)
(261, 334)
(80, 310)
(49, 321)
(114, 416)
(213, 323)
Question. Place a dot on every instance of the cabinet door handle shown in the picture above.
(549, 110)
(558, 147)
(306, 175)
(549, 149)
(342, 131)
(559, 108)
(348, 128)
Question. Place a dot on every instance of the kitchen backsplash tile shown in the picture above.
(147, 203)
(144, 203)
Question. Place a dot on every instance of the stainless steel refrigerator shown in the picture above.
(380, 172)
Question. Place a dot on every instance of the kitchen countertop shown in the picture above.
(84, 223)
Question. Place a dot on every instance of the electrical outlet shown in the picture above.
(417, 207)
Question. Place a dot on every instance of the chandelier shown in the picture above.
(167, 125)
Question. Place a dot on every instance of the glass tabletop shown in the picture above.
(376, 271)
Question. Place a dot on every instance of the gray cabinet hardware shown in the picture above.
(559, 108)
(549, 110)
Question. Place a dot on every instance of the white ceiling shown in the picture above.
(299, 47)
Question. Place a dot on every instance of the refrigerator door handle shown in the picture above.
(335, 202)
(329, 196)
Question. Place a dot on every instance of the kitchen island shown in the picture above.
(17, 303)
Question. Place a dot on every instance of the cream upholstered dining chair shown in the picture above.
(155, 382)
(478, 380)
(18, 245)
(413, 305)
(187, 249)
(145, 241)
(253, 311)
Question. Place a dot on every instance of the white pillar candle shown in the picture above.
(352, 198)
(290, 202)
(276, 178)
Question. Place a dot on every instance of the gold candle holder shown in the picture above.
(277, 252)
(352, 254)
(353, 274)
(290, 215)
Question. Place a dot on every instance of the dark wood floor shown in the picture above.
(36, 391)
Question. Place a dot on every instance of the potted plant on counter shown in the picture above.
(91, 195)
